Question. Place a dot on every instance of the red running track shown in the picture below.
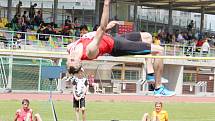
(103, 97)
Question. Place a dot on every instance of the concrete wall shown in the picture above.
(174, 74)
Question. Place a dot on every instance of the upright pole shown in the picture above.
(42, 9)
(55, 11)
(9, 85)
(170, 17)
(9, 10)
(83, 14)
(202, 19)
(39, 80)
(62, 14)
(97, 11)
(135, 15)
(73, 14)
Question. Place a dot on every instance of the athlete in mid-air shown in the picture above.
(89, 48)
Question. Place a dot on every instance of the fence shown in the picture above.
(201, 88)
(25, 74)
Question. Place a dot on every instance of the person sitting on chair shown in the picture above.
(93, 84)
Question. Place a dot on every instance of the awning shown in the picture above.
(180, 5)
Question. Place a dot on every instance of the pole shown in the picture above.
(202, 19)
(9, 10)
(170, 16)
(55, 10)
(83, 14)
(62, 14)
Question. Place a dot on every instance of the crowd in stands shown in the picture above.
(32, 21)
(187, 37)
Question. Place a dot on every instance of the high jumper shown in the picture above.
(135, 43)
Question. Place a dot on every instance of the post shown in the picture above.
(55, 11)
(202, 19)
(52, 16)
(40, 72)
(4, 12)
(170, 17)
(155, 23)
(97, 12)
(9, 10)
(42, 9)
(73, 14)
(10, 76)
(83, 14)
(135, 15)
(62, 14)
(147, 24)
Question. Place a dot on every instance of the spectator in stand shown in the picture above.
(205, 47)
(185, 36)
(1, 24)
(190, 26)
(180, 38)
(66, 30)
(32, 13)
(49, 30)
(68, 21)
(16, 23)
(76, 22)
(95, 27)
(38, 18)
(83, 30)
(77, 31)
(24, 17)
(199, 43)
(156, 40)
(92, 83)
(18, 8)
(25, 113)
(42, 27)
(157, 115)
(168, 38)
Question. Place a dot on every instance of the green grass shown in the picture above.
(112, 110)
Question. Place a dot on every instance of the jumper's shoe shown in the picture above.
(162, 91)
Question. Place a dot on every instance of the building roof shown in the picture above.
(181, 5)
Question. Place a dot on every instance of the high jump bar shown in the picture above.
(132, 56)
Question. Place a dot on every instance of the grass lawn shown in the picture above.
(112, 110)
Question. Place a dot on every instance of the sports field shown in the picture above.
(109, 110)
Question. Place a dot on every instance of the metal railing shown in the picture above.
(34, 41)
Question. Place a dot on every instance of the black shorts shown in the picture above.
(132, 36)
(76, 103)
(126, 45)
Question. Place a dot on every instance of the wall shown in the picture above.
(174, 73)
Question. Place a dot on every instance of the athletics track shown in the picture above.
(106, 97)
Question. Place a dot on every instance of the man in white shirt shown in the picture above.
(205, 47)
(80, 86)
